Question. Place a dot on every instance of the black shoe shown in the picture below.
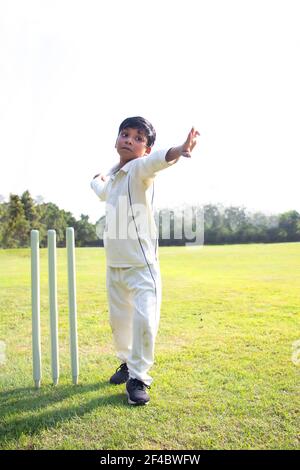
(136, 392)
(121, 376)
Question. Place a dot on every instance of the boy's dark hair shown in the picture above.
(138, 122)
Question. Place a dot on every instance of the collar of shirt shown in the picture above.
(127, 165)
(115, 170)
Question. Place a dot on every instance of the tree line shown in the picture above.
(222, 225)
(22, 213)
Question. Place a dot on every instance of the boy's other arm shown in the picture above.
(99, 185)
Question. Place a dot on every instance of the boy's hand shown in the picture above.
(190, 143)
(183, 150)
(102, 177)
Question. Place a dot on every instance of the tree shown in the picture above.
(51, 217)
(85, 231)
(30, 210)
(16, 232)
(3, 222)
(289, 226)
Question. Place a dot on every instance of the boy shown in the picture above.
(130, 240)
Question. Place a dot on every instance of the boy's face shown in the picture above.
(132, 143)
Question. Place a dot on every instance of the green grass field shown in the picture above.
(223, 376)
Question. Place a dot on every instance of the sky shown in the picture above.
(71, 71)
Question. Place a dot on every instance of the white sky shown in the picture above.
(71, 71)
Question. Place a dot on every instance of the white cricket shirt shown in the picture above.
(130, 235)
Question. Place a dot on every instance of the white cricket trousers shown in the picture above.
(134, 299)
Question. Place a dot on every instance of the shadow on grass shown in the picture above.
(29, 411)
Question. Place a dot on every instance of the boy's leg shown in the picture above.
(145, 284)
(120, 312)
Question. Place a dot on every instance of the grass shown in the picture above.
(223, 375)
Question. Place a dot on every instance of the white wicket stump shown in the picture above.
(35, 299)
(72, 304)
(53, 305)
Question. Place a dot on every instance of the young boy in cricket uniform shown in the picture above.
(130, 240)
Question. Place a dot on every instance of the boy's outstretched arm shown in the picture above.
(185, 149)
